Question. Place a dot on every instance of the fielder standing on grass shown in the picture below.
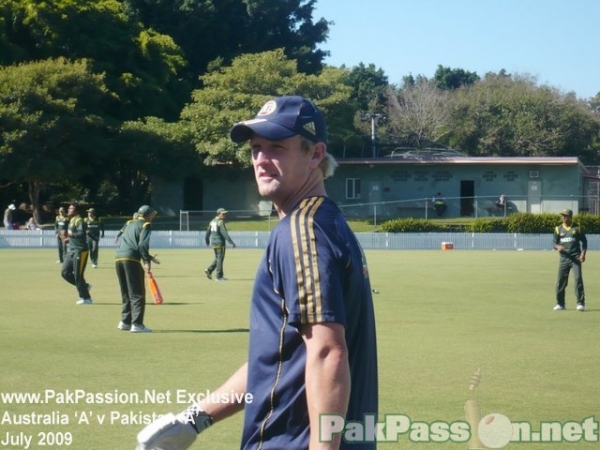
(312, 342)
(76, 257)
(95, 232)
(217, 237)
(61, 225)
(571, 243)
(132, 261)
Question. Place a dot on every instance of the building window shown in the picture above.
(352, 188)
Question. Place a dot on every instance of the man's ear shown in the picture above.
(319, 151)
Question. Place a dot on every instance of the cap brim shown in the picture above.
(244, 131)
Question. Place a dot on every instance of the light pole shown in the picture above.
(373, 117)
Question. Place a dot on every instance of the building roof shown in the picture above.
(462, 160)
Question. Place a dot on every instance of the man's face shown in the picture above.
(566, 219)
(281, 168)
(71, 211)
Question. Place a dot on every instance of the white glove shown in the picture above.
(174, 432)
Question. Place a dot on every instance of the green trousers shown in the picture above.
(131, 278)
(565, 265)
(217, 263)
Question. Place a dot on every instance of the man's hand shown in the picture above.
(174, 432)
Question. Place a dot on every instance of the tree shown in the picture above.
(512, 116)
(419, 113)
(237, 92)
(141, 66)
(51, 123)
(208, 30)
(449, 79)
(150, 150)
(369, 86)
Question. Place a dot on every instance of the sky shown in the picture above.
(555, 41)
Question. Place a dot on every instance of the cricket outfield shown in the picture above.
(70, 379)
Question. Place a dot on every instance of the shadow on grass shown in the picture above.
(148, 303)
(234, 330)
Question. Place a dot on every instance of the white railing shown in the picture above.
(258, 239)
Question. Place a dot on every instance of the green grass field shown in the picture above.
(440, 317)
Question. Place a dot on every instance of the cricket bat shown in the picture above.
(154, 289)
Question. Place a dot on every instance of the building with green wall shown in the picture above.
(403, 186)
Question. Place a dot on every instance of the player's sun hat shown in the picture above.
(91, 210)
(566, 212)
(146, 210)
(282, 118)
(222, 211)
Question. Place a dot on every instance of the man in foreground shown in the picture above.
(312, 329)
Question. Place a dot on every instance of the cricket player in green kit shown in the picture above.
(217, 236)
(132, 261)
(76, 256)
(571, 243)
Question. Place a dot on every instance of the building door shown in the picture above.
(534, 197)
(467, 197)
(192, 194)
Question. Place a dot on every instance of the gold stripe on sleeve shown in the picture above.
(306, 259)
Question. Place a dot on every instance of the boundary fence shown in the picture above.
(258, 240)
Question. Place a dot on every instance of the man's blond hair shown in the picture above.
(327, 165)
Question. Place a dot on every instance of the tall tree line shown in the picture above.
(98, 98)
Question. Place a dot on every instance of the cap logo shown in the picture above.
(268, 108)
(310, 127)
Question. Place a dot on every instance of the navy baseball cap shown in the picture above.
(282, 118)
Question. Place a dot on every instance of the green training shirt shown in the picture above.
(572, 238)
(135, 241)
(77, 235)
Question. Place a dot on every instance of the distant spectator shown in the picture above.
(32, 224)
(8, 217)
(439, 204)
(501, 203)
